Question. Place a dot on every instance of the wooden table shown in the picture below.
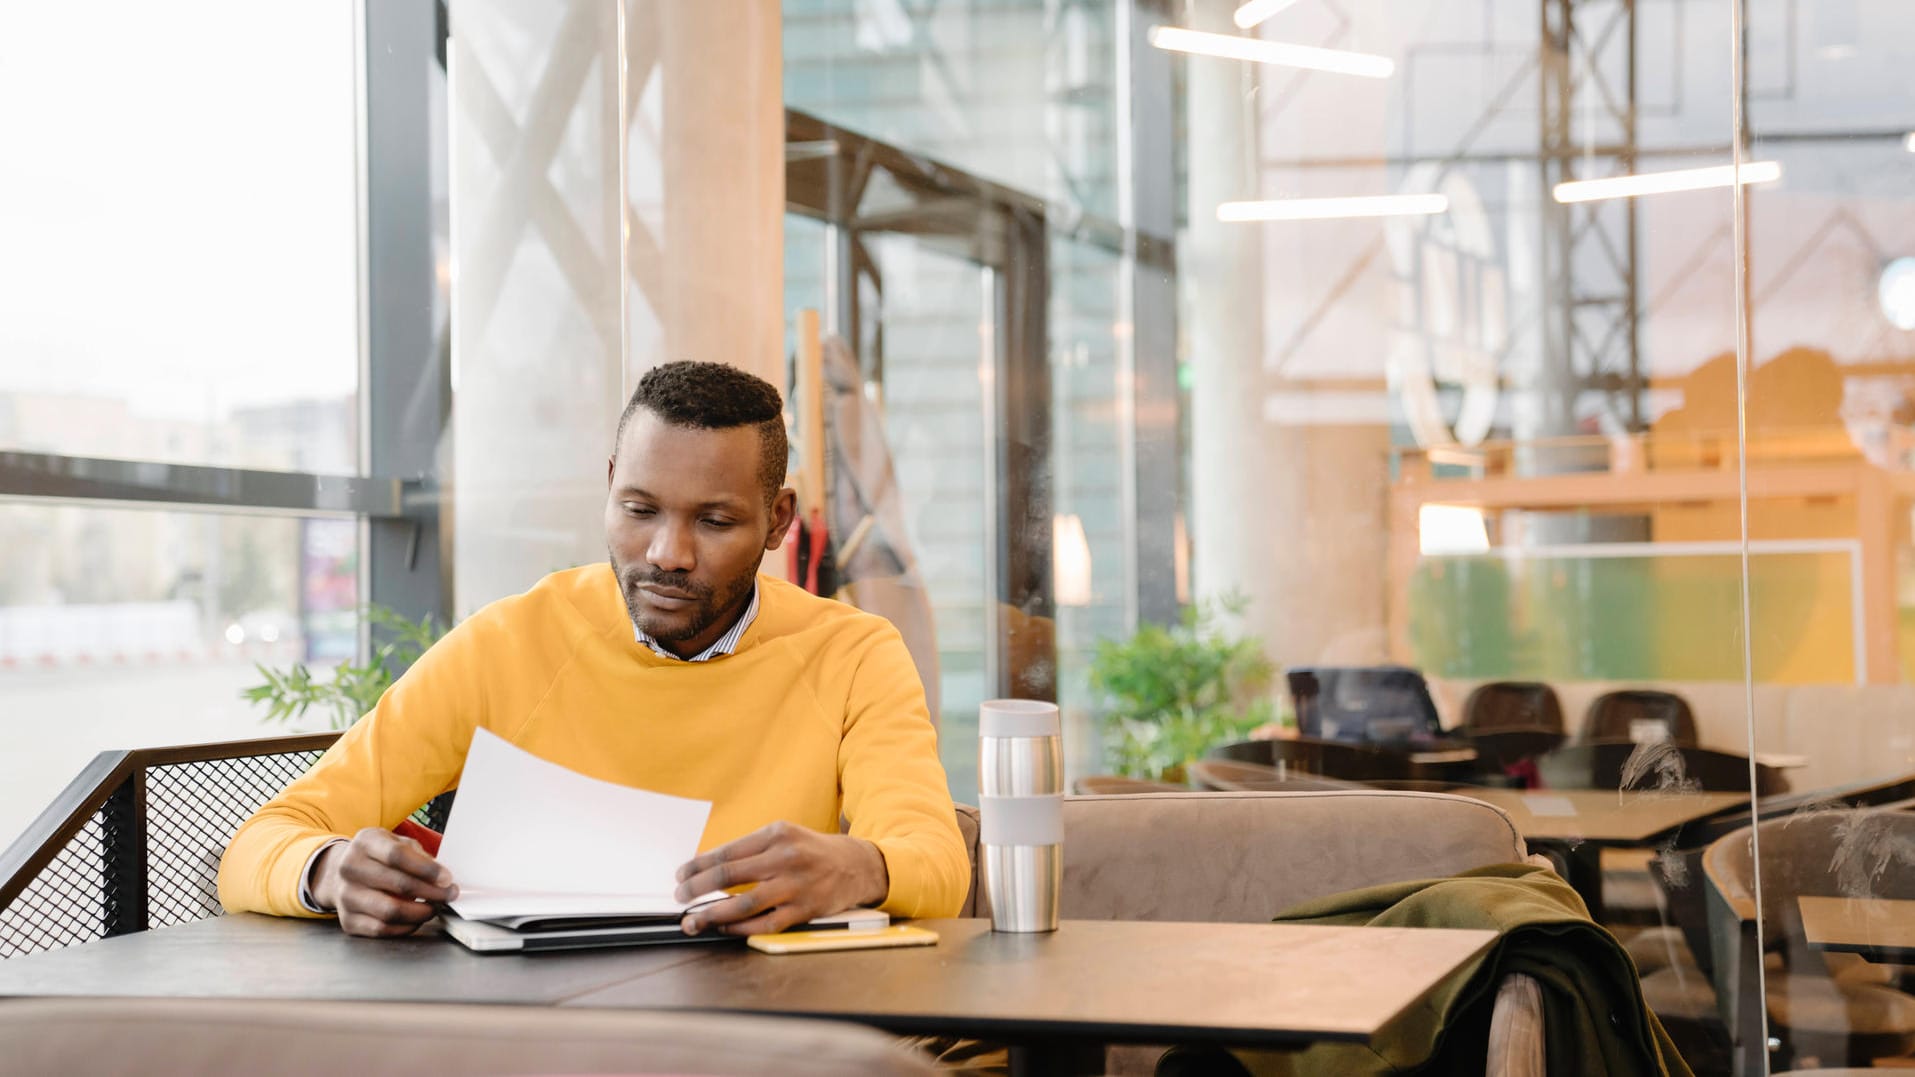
(1580, 823)
(1057, 998)
(1880, 929)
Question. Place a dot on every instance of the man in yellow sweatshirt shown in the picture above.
(677, 668)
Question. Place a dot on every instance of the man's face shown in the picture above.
(686, 525)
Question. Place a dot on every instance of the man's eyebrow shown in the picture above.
(714, 503)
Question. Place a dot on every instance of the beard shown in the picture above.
(709, 603)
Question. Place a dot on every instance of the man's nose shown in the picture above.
(671, 549)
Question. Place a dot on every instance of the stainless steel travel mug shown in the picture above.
(1021, 812)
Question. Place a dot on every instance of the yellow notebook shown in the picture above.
(811, 942)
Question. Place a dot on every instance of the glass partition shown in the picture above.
(1820, 896)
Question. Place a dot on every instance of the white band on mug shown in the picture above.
(1018, 718)
(1021, 820)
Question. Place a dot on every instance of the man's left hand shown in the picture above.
(799, 874)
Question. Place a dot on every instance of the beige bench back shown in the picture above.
(325, 1039)
(1243, 857)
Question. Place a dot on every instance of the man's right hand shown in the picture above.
(381, 884)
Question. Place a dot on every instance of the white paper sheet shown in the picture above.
(528, 837)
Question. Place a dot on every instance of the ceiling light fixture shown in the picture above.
(1685, 179)
(1256, 11)
(1280, 53)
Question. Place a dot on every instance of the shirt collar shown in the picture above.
(721, 647)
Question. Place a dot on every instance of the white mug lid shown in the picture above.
(1018, 718)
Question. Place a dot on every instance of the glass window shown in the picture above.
(136, 629)
(1829, 397)
(179, 278)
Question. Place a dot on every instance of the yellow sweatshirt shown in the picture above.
(817, 716)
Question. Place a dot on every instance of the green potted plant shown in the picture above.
(353, 688)
(1170, 693)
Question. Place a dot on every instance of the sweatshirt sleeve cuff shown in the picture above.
(920, 887)
(286, 889)
(306, 899)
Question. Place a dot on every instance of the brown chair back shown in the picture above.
(1611, 716)
(1512, 706)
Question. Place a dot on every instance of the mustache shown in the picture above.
(670, 581)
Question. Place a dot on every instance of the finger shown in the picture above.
(739, 907)
(782, 918)
(369, 873)
(405, 855)
(750, 845)
(368, 927)
(385, 908)
(729, 873)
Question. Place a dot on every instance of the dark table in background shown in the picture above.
(1580, 823)
(1880, 929)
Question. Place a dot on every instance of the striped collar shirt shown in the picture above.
(724, 645)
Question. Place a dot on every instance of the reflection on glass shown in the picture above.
(1087, 460)
(132, 629)
(937, 360)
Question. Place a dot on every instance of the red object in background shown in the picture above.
(805, 547)
(427, 837)
(1525, 771)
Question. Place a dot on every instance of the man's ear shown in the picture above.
(783, 508)
(611, 465)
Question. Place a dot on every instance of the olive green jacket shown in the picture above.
(1594, 1019)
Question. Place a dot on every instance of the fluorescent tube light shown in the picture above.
(1686, 179)
(1319, 209)
(1908, 143)
(1256, 11)
(1280, 53)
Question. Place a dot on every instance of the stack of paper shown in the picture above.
(532, 841)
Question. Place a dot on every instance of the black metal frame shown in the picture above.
(98, 828)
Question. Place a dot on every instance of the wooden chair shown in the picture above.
(1818, 1017)
(1510, 723)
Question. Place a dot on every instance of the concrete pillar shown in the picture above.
(617, 199)
(716, 285)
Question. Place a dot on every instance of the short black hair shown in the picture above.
(714, 396)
